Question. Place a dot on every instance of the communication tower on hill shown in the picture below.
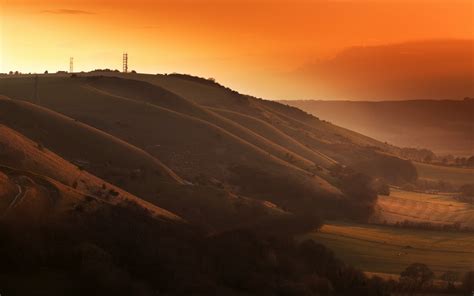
(35, 93)
(71, 65)
(125, 63)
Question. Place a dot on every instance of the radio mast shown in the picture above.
(71, 65)
(35, 91)
(125, 63)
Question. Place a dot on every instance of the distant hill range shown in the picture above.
(443, 126)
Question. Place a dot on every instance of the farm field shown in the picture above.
(389, 250)
(453, 175)
(440, 208)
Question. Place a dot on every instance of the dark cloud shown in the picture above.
(430, 69)
(67, 11)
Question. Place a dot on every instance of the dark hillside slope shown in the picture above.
(274, 134)
(329, 142)
(102, 154)
(194, 148)
(210, 94)
(36, 162)
(136, 171)
(152, 94)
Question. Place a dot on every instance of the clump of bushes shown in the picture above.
(381, 186)
(390, 168)
(456, 226)
(431, 185)
(359, 190)
(467, 193)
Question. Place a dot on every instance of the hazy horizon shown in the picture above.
(275, 50)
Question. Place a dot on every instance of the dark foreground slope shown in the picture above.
(65, 231)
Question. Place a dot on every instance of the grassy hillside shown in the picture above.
(145, 92)
(39, 199)
(196, 149)
(124, 165)
(274, 134)
(22, 154)
(211, 95)
(328, 143)
(102, 154)
(209, 135)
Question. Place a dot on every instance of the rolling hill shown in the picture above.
(220, 137)
(198, 149)
(22, 158)
(123, 164)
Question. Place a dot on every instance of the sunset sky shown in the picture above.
(257, 47)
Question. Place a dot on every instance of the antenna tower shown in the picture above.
(125, 62)
(35, 93)
(71, 65)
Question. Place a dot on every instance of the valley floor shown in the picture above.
(389, 250)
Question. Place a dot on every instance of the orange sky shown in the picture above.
(251, 46)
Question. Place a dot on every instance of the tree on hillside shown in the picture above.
(428, 159)
(392, 169)
(358, 186)
(450, 277)
(467, 189)
(468, 282)
(362, 196)
(381, 186)
(460, 161)
(417, 273)
(470, 161)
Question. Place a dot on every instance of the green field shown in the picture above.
(453, 175)
(389, 250)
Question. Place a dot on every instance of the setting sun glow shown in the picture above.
(259, 47)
